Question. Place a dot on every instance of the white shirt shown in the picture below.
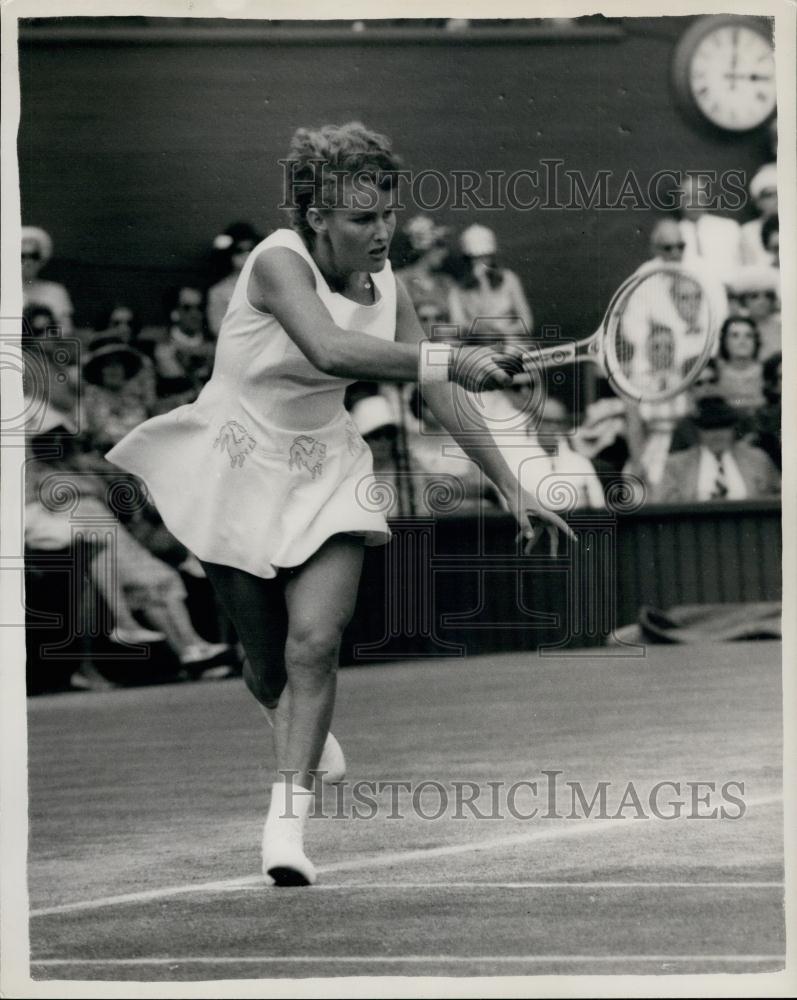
(753, 250)
(708, 473)
(713, 241)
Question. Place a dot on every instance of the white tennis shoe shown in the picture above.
(284, 860)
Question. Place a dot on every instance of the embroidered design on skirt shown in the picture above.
(237, 440)
(353, 440)
(308, 453)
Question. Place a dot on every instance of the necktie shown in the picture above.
(720, 489)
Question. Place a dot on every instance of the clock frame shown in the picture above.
(693, 44)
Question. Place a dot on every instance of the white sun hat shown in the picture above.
(477, 241)
(42, 238)
(765, 179)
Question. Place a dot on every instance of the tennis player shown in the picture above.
(259, 477)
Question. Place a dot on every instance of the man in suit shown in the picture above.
(719, 467)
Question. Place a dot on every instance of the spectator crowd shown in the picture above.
(717, 441)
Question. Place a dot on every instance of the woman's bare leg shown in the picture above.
(320, 597)
(257, 609)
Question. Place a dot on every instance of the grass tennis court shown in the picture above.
(147, 807)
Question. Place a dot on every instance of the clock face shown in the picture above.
(732, 77)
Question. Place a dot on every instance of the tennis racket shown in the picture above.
(659, 331)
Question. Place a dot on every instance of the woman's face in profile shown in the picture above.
(360, 226)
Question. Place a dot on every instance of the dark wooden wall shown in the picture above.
(135, 155)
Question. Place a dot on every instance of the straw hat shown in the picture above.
(105, 349)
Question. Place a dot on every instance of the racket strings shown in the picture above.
(659, 333)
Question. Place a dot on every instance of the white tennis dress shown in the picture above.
(266, 464)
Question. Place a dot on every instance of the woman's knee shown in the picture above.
(313, 648)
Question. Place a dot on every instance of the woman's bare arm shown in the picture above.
(281, 283)
(464, 423)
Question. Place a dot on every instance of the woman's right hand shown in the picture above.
(478, 368)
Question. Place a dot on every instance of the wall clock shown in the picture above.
(724, 72)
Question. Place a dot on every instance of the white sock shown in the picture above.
(283, 833)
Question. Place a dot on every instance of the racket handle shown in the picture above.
(555, 354)
(549, 357)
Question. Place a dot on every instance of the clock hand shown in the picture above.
(746, 76)
(734, 58)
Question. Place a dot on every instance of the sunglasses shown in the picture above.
(669, 247)
(190, 307)
(31, 255)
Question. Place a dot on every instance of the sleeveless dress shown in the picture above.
(266, 464)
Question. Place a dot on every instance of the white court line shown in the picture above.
(382, 959)
(383, 860)
(597, 884)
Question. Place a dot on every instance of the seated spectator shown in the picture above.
(131, 581)
(118, 395)
(487, 293)
(668, 245)
(436, 459)
(120, 320)
(183, 353)
(757, 294)
(51, 372)
(712, 241)
(431, 314)
(685, 433)
(666, 241)
(423, 277)
(549, 468)
(761, 305)
(741, 378)
(120, 323)
(233, 245)
(719, 467)
(764, 195)
(670, 313)
(766, 424)
(37, 249)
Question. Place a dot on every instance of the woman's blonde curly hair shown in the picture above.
(319, 158)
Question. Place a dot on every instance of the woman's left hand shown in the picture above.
(535, 520)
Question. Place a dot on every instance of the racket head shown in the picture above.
(659, 331)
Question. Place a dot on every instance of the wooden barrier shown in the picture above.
(458, 585)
